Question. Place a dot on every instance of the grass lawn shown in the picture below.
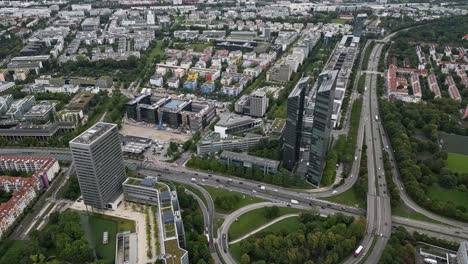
(339, 21)
(245, 199)
(199, 46)
(457, 162)
(288, 225)
(348, 198)
(99, 224)
(403, 211)
(458, 198)
(454, 143)
(254, 219)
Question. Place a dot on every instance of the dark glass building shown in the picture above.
(322, 125)
(294, 123)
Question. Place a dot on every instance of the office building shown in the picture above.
(212, 143)
(322, 125)
(359, 24)
(248, 161)
(99, 165)
(279, 73)
(141, 190)
(171, 112)
(294, 122)
(254, 104)
(231, 124)
(90, 24)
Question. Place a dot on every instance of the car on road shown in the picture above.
(203, 180)
(254, 191)
(241, 183)
(217, 180)
(193, 179)
(334, 192)
(275, 190)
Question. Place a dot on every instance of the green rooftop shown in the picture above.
(134, 181)
(278, 124)
(173, 249)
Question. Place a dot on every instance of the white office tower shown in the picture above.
(98, 158)
(150, 18)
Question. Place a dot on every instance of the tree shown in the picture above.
(245, 259)
(271, 212)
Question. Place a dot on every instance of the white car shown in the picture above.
(334, 192)
(275, 190)
(193, 179)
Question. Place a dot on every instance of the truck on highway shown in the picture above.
(358, 251)
(294, 201)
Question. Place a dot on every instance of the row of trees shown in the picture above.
(318, 240)
(413, 130)
(281, 178)
(345, 147)
(63, 240)
(267, 148)
(196, 242)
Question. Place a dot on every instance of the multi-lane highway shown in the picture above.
(379, 215)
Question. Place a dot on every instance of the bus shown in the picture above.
(358, 251)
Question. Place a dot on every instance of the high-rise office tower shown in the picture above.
(99, 165)
(322, 125)
(359, 24)
(294, 123)
(258, 103)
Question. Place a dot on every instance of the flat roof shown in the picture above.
(233, 119)
(93, 133)
(249, 158)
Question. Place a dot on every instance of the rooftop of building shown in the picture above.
(93, 133)
(249, 158)
(40, 109)
(327, 81)
(278, 124)
(80, 100)
(233, 119)
(297, 89)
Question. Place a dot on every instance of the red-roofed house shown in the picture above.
(24, 189)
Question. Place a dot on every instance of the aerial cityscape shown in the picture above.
(233, 131)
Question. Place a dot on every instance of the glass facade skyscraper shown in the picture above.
(322, 125)
(294, 123)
